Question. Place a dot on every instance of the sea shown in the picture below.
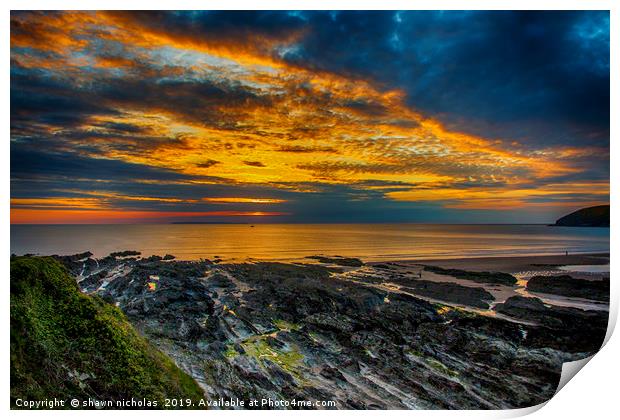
(292, 242)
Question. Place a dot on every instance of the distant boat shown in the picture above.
(251, 225)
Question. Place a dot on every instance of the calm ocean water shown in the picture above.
(371, 242)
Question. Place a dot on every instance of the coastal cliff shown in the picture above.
(597, 216)
(66, 344)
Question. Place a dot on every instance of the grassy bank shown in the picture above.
(65, 344)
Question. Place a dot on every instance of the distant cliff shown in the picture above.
(597, 216)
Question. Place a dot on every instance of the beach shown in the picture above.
(422, 334)
(514, 264)
(593, 267)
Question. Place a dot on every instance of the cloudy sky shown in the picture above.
(457, 117)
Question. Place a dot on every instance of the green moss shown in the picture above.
(230, 352)
(65, 344)
(285, 325)
(259, 348)
(438, 366)
(370, 354)
(415, 353)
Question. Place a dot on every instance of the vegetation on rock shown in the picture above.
(66, 344)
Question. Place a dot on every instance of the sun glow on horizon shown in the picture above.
(228, 200)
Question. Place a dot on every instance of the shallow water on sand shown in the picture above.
(287, 242)
(603, 268)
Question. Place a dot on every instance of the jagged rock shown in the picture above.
(302, 331)
(476, 276)
(334, 322)
(451, 292)
(220, 280)
(566, 285)
(564, 328)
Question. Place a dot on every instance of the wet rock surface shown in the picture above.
(566, 285)
(582, 326)
(309, 332)
(346, 262)
(450, 292)
(476, 276)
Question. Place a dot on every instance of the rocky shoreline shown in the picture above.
(565, 285)
(360, 335)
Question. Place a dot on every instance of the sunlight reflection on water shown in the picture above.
(373, 242)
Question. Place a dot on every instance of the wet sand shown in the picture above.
(522, 267)
(511, 264)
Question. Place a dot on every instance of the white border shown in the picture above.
(592, 395)
(312, 5)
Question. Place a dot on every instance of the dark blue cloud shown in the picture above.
(29, 163)
(35, 96)
(220, 26)
(538, 77)
(533, 76)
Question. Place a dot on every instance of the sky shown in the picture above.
(308, 117)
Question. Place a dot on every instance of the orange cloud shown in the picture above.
(313, 112)
(506, 197)
(287, 125)
(63, 202)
